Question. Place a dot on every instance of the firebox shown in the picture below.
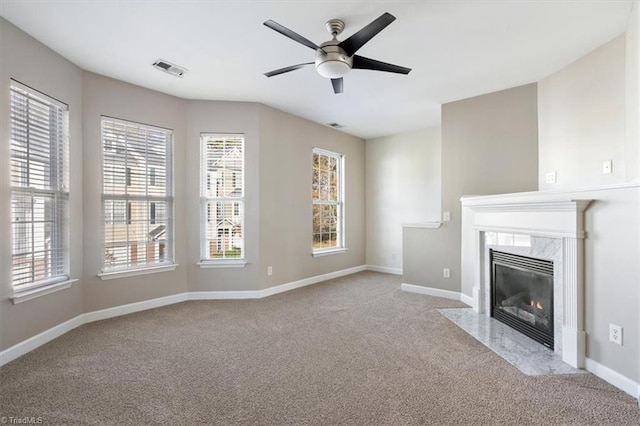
(522, 294)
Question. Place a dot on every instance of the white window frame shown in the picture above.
(207, 204)
(340, 203)
(111, 213)
(168, 264)
(57, 264)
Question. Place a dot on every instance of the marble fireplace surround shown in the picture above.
(546, 220)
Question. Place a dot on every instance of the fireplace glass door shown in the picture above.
(522, 294)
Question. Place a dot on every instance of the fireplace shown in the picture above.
(553, 220)
(522, 294)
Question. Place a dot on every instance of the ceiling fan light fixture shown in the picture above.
(333, 69)
(335, 58)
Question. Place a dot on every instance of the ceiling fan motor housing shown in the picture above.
(332, 61)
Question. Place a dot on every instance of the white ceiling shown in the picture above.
(457, 49)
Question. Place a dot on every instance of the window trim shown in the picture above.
(222, 263)
(206, 184)
(34, 293)
(329, 252)
(145, 268)
(131, 272)
(47, 285)
(341, 205)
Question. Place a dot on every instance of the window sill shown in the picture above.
(240, 263)
(430, 225)
(23, 296)
(124, 273)
(328, 252)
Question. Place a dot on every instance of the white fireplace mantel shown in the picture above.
(534, 215)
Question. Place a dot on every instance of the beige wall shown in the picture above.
(223, 117)
(403, 186)
(612, 277)
(31, 63)
(489, 146)
(589, 113)
(581, 110)
(113, 98)
(277, 195)
(424, 258)
(286, 142)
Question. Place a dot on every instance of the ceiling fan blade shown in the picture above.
(357, 40)
(337, 85)
(292, 35)
(360, 62)
(286, 69)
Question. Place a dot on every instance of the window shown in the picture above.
(222, 164)
(39, 188)
(137, 195)
(328, 201)
(115, 212)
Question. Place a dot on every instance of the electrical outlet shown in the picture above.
(269, 270)
(446, 273)
(607, 167)
(551, 177)
(615, 334)
(446, 216)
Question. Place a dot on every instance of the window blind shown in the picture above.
(39, 188)
(137, 194)
(222, 196)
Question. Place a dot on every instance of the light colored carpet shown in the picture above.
(354, 350)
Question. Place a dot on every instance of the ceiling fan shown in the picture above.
(334, 58)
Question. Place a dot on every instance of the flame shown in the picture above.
(536, 304)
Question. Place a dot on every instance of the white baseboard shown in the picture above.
(130, 308)
(467, 300)
(32, 343)
(46, 336)
(453, 295)
(223, 295)
(616, 379)
(384, 269)
(270, 291)
(311, 280)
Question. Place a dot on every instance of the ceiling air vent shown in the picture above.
(170, 68)
(335, 125)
